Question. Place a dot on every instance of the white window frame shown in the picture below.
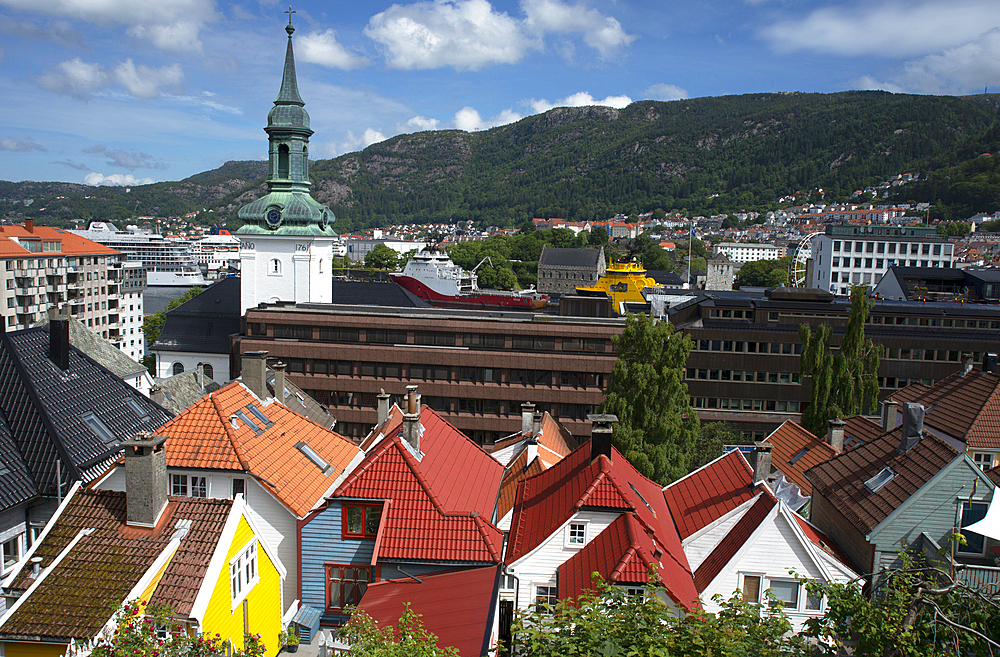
(244, 573)
(18, 542)
(771, 581)
(569, 539)
(977, 458)
(179, 481)
(760, 588)
(200, 483)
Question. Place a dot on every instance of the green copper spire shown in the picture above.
(287, 208)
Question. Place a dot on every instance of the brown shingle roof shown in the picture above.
(104, 566)
(516, 471)
(841, 480)
(968, 407)
(794, 450)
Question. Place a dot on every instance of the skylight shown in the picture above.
(879, 480)
(317, 460)
(259, 415)
(632, 486)
(800, 454)
(243, 416)
(140, 412)
(99, 428)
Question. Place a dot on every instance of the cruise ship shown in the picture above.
(167, 261)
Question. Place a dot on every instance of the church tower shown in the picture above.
(286, 241)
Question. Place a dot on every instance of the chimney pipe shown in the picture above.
(966, 366)
(145, 478)
(36, 567)
(835, 434)
(254, 372)
(383, 406)
(199, 375)
(913, 426)
(527, 412)
(536, 424)
(762, 462)
(890, 415)
(157, 395)
(601, 433)
(59, 342)
(411, 419)
(990, 363)
(279, 382)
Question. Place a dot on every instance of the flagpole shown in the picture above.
(690, 238)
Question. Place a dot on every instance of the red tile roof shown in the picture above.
(841, 480)
(709, 492)
(203, 436)
(727, 548)
(546, 501)
(517, 471)
(104, 566)
(968, 407)
(71, 243)
(457, 606)
(623, 554)
(438, 507)
(554, 441)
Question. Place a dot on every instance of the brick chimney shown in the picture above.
(59, 343)
(145, 478)
(254, 372)
(157, 395)
(890, 415)
(383, 405)
(835, 434)
(527, 412)
(411, 418)
(279, 382)
(29, 225)
(601, 430)
(761, 462)
(536, 423)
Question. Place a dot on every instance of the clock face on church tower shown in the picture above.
(273, 217)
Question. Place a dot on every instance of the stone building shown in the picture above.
(561, 271)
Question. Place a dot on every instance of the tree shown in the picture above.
(711, 438)
(845, 384)
(764, 273)
(382, 257)
(598, 236)
(657, 428)
(407, 639)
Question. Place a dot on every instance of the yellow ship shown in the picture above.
(623, 282)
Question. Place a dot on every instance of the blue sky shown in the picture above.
(136, 91)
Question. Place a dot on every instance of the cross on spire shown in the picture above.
(290, 28)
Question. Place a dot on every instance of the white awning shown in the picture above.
(989, 526)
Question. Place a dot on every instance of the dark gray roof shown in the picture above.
(987, 275)
(664, 277)
(182, 390)
(299, 401)
(370, 293)
(16, 484)
(556, 257)
(45, 408)
(97, 347)
(204, 323)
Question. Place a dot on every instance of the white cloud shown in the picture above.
(115, 179)
(168, 24)
(603, 33)
(463, 34)
(666, 92)
(77, 77)
(322, 48)
(868, 83)
(884, 28)
(355, 143)
(469, 120)
(961, 70)
(20, 144)
(579, 99)
(421, 123)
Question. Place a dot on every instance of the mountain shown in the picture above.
(703, 155)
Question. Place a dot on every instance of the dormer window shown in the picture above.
(881, 479)
(576, 534)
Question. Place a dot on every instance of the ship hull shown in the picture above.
(480, 299)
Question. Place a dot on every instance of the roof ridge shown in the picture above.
(411, 463)
(365, 465)
(229, 431)
(481, 526)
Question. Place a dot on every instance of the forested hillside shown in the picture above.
(704, 155)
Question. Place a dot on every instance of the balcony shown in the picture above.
(984, 578)
(74, 285)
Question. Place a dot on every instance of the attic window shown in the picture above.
(317, 460)
(800, 454)
(632, 486)
(243, 416)
(259, 415)
(140, 412)
(879, 480)
(99, 428)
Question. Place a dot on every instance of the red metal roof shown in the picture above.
(547, 500)
(734, 540)
(821, 540)
(438, 506)
(710, 492)
(457, 606)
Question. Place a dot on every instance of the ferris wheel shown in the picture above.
(797, 268)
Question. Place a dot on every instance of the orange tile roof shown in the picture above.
(517, 470)
(794, 450)
(72, 244)
(204, 436)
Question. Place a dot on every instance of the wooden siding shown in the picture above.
(539, 567)
(850, 541)
(323, 543)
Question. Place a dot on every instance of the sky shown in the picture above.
(127, 92)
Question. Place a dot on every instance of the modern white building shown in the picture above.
(358, 248)
(848, 255)
(747, 252)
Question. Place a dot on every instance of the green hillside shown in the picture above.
(704, 155)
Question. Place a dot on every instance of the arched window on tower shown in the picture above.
(275, 267)
(305, 162)
(283, 161)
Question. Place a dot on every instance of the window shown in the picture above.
(178, 484)
(12, 552)
(751, 588)
(576, 534)
(385, 336)
(199, 487)
(787, 592)
(983, 459)
(99, 428)
(485, 340)
(434, 338)
(239, 487)
(243, 573)
(361, 521)
(545, 595)
(345, 585)
(973, 512)
(178, 368)
(209, 370)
